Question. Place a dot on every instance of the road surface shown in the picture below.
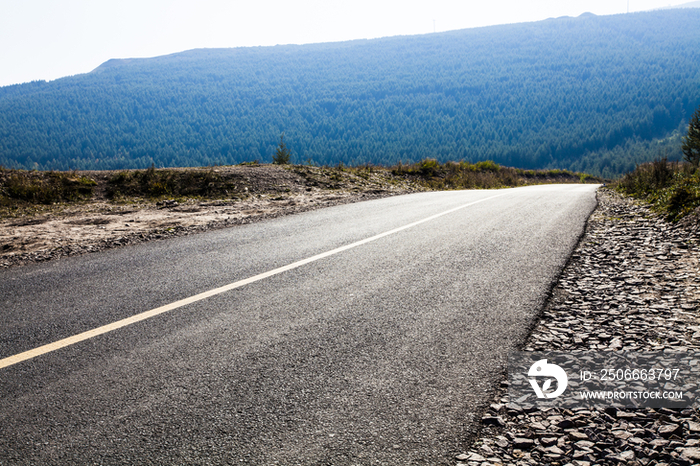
(370, 333)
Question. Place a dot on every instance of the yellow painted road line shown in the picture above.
(207, 294)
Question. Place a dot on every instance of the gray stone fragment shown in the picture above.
(548, 441)
(523, 443)
(691, 454)
(693, 426)
(555, 450)
(493, 421)
(669, 429)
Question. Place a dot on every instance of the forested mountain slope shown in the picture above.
(592, 93)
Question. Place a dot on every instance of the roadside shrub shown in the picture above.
(672, 188)
(488, 166)
(647, 179)
(481, 175)
(429, 167)
(152, 183)
(681, 198)
(44, 187)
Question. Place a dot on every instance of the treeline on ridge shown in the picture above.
(588, 94)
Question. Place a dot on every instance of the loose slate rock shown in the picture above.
(692, 454)
(632, 284)
(523, 443)
(669, 429)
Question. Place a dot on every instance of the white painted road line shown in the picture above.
(30, 354)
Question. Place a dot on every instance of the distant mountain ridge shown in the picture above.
(593, 93)
(683, 5)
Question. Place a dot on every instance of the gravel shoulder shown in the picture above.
(632, 284)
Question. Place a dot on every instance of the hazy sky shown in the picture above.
(48, 39)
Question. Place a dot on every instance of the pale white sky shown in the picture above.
(48, 39)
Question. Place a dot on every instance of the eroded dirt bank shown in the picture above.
(248, 194)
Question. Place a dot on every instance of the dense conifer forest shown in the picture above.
(598, 94)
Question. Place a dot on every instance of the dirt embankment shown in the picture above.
(178, 202)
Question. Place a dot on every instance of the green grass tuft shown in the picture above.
(43, 187)
(672, 188)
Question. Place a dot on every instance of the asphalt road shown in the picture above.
(383, 353)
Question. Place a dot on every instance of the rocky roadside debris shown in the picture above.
(633, 284)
